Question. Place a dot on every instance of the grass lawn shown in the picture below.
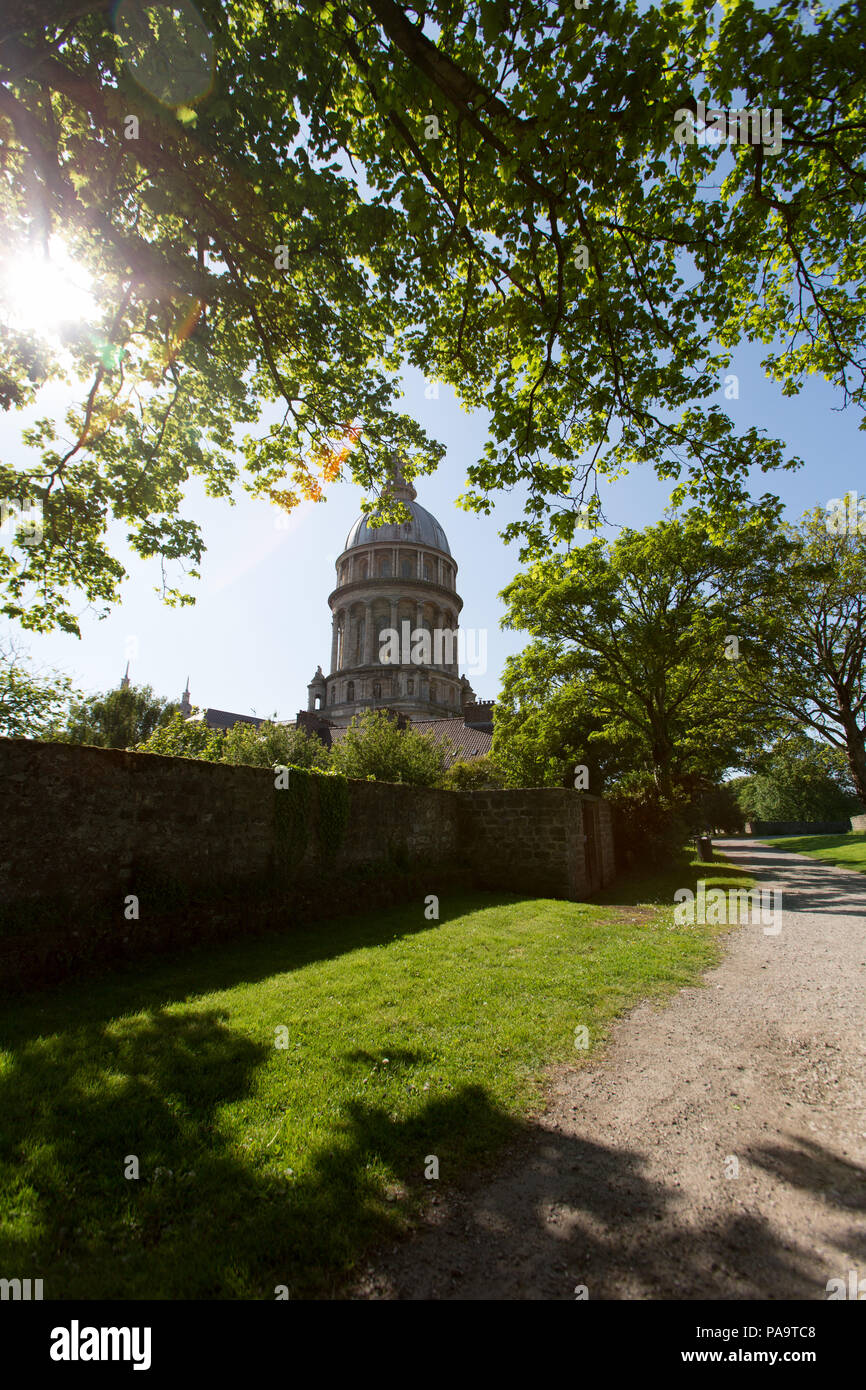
(845, 851)
(263, 1165)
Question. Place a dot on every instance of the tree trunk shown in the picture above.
(663, 756)
(855, 748)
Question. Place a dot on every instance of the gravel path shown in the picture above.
(622, 1186)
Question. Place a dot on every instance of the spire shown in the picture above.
(185, 705)
(316, 692)
(124, 684)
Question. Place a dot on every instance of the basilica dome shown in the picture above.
(423, 529)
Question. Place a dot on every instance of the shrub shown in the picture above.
(474, 775)
(374, 746)
(272, 743)
(185, 738)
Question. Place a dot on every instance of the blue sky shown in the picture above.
(261, 623)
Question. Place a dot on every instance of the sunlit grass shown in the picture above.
(845, 851)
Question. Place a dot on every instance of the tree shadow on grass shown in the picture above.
(802, 844)
(658, 885)
(201, 1220)
(205, 1221)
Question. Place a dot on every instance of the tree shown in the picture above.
(183, 737)
(32, 702)
(289, 203)
(120, 718)
(272, 744)
(817, 628)
(473, 775)
(374, 746)
(800, 779)
(642, 635)
(546, 729)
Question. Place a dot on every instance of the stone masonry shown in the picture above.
(81, 828)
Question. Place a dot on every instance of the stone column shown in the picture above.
(334, 637)
(368, 634)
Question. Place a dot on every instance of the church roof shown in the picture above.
(468, 742)
(423, 529)
(224, 719)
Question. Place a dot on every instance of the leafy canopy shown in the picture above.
(33, 702)
(118, 719)
(800, 779)
(318, 194)
(546, 728)
(816, 631)
(634, 642)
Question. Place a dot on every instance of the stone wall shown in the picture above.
(526, 841)
(82, 822)
(205, 850)
(858, 822)
(532, 840)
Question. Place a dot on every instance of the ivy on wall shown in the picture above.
(333, 811)
(293, 818)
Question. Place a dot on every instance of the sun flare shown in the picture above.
(42, 291)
